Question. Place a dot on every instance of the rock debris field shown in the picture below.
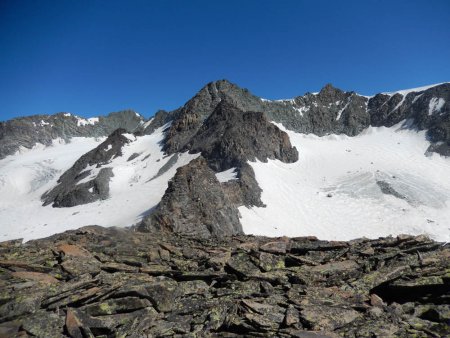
(109, 282)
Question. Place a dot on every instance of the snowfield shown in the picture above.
(137, 186)
(376, 184)
(335, 191)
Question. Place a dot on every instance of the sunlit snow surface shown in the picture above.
(25, 177)
(331, 192)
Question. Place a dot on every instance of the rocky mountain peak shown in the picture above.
(329, 93)
(230, 137)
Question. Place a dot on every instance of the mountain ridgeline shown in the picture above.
(331, 111)
(227, 126)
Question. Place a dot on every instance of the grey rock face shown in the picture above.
(72, 190)
(387, 189)
(27, 131)
(245, 190)
(230, 137)
(195, 203)
(160, 119)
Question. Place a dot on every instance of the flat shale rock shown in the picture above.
(122, 283)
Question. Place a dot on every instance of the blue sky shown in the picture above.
(94, 57)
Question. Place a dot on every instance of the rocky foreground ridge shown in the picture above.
(100, 282)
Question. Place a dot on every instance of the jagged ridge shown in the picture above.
(331, 111)
(71, 190)
(28, 131)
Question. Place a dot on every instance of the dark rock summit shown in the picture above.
(230, 137)
(73, 188)
(100, 282)
(195, 203)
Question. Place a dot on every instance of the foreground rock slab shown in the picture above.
(99, 282)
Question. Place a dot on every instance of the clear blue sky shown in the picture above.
(94, 57)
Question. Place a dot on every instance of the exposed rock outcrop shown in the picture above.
(195, 203)
(230, 137)
(161, 118)
(115, 282)
(86, 181)
(245, 190)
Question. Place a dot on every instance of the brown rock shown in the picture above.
(292, 316)
(9, 329)
(24, 265)
(36, 276)
(278, 247)
(116, 267)
(73, 324)
(343, 266)
(376, 300)
(73, 250)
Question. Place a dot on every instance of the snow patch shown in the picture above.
(227, 175)
(301, 110)
(435, 105)
(400, 103)
(342, 110)
(146, 124)
(416, 98)
(84, 122)
(131, 137)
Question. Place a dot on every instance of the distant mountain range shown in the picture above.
(330, 111)
(205, 168)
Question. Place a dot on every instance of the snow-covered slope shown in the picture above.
(137, 186)
(332, 191)
(405, 92)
